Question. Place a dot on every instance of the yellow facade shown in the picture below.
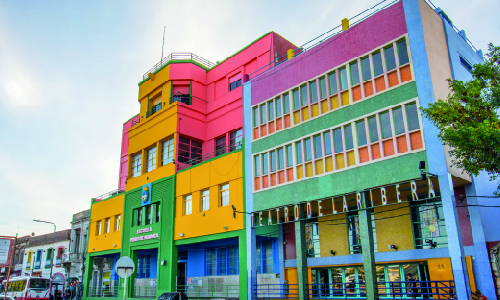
(333, 237)
(211, 175)
(102, 210)
(393, 231)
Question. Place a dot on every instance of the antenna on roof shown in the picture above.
(162, 44)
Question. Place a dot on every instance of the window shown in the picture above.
(205, 200)
(343, 78)
(149, 215)
(270, 110)
(385, 123)
(224, 194)
(466, 64)
(412, 116)
(378, 68)
(296, 99)
(220, 145)
(281, 159)
(158, 212)
(235, 84)
(98, 228)
(332, 81)
(273, 161)
(348, 137)
(303, 95)
(38, 260)
(48, 259)
(118, 220)
(107, 221)
(136, 165)
(337, 134)
(138, 213)
(322, 87)
(289, 156)
(151, 164)
(236, 139)
(353, 231)
(255, 114)
(312, 234)
(403, 53)
(144, 266)
(210, 262)
(390, 60)
(263, 119)
(314, 91)
(398, 120)
(429, 223)
(167, 151)
(307, 148)
(188, 205)
(264, 257)
(318, 151)
(277, 103)
(298, 148)
(221, 261)
(286, 103)
(264, 164)
(372, 123)
(328, 143)
(256, 164)
(189, 150)
(360, 126)
(365, 66)
(354, 73)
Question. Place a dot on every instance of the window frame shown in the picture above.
(188, 204)
(224, 194)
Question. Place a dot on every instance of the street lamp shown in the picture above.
(52, 258)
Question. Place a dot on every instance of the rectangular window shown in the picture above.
(188, 204)
(289, 156)
(118, 220)
(365, 65)
(298, 148)
(264, 164)
(139, 216)
(205, 200)
(328, 142)
(270, 109)
(263, 115)
(390, 60)
(158, 212)
(210, 260)
(256, 164)
(337, 135)
(372, 124)
(233, 260)
(167, 151)
(412, 116)
(149, 215)
(136, 165)
(308, 150)
(332, 82)
(220, 145)
(398, 120)
(268, 256)
(322, 87)
(466, 64)
(189, 150)
(273, 161)
(235, 84)
(343, 78)
(98, 228)
(222, 261)
(296, 99)
(314, 91)
(236, 140)
(348, 137)
(378, 68)
(151, 159)
(385, 123)
(281, 159)
(277, 103)
(107, 221)
(354, 73)
(224, 194)
(255, 114)
(360, 126)
(286, 103)
(403, 53)
(318, 151)
(303, 95)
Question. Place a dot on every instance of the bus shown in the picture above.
(27, 288)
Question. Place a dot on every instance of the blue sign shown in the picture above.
(146, 194)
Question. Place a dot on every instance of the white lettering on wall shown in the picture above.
(144, 237)
(398, 193)
(269, 218)
(414, 194)
(309, 210)
(144, 230)
(296, 212)
(345, 205)
(319, 209)
(432, 194)
(383, 193)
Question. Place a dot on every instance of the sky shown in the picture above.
(69, 72)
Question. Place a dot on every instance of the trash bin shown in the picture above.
(173, 296)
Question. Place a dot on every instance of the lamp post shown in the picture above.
(52, 258)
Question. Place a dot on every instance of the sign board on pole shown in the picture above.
(124, 267)
(5, 247)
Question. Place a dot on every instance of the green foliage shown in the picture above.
(468, 120)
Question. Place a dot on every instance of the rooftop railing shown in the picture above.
(179, 56)
(207, 156)
(110, 194)
(135, 120)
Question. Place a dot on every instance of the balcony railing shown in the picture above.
(58, 261)
(153, 110)
(135, 120)
(110, 194)
(183, 98)
(28, 265)
(207, 156)
(179, 56)
(210, 291)
(104, 291)
(144, 292)
(76, 257)
(37, 264)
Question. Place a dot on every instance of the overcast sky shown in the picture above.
(69, 72)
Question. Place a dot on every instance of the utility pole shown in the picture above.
(162, 44)
(52, 258)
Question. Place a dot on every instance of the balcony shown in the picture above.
(76, 257)
(179, 56)
(153, 110)
(110, 194)
(228, 149)
(37, 265)
(28, 265)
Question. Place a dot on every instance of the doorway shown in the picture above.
(181, 276)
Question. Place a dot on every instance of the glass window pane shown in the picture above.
(296, 99)
(354, 73)
(273, 161)
(281, 159)
(308, 150)
(264, 164)
(322, 87)
(270, 108)
(255, 113)
(263, 114)
(360, 126)
(337, 135)
(298, 148)
(289, 156)
(286, 103)
(303, 95)
(385, 123)
(372, 123)
(332, 81)
(277, 102)
(412, 116)
(377, 64)
(365, 65)
(256, 165)
(390, 60)
(348, 137)
(318, 151)
(314, 91)
(402, 52)
(343, 78)
(398, 120)
(328, 143)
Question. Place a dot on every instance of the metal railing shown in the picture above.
(76, 257)
(210, 291)
(387, 290)
(144, 291)
(184, 98)
(103, 291)
(135, 120)
(207, 156)
(153, 110)
(110, 194)
(179, 56)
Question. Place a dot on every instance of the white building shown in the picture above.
(78, 246)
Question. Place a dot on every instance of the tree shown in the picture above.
(468, 120)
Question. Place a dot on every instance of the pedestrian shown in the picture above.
(411, 286)
(58, 295)
(480, 296)
(67, 294)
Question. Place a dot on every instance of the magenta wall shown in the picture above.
(382, 27)
(124, 154)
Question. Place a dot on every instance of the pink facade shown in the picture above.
(124, 153)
